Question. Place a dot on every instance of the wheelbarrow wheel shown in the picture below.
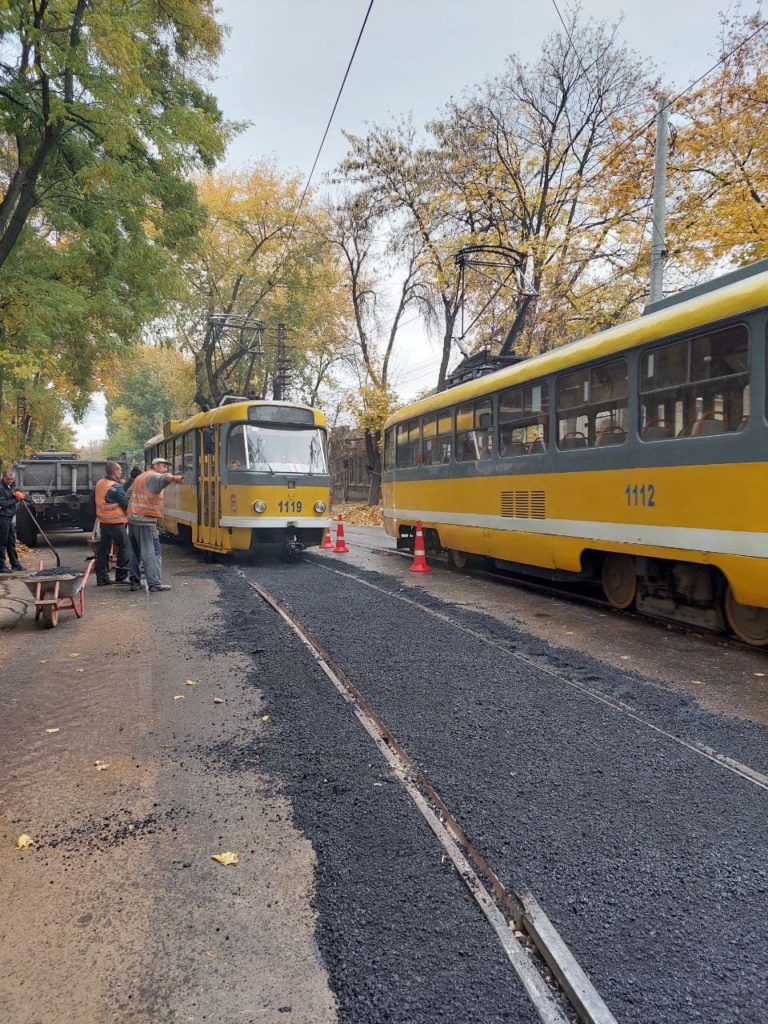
(50, 615)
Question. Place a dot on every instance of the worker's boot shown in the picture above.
(5, 568)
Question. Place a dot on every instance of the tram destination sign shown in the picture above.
(281, 414)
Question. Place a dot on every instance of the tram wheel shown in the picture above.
(459, 559)
(619, 580)
(747, 621)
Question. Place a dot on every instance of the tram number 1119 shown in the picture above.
(289, 506)
(641, 495)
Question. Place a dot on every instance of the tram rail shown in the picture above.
(578, 594)
(549, 972)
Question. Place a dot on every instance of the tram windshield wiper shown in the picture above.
(259, 456)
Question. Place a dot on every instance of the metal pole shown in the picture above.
(658, 246)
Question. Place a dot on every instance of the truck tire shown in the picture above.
(26, 531)
(87, 515)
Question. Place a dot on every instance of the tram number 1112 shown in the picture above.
(641, 495)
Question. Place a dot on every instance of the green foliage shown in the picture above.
(102, 118)
(156, 385)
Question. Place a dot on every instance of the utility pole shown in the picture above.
(282, 367)
(658, 244)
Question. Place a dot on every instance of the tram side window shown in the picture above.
(474, 431)
(188, 453)
(523, 420)
(592, 406)
(389, 450)
(236, 456)
(407, 447)
(697, 387)
(437, 438)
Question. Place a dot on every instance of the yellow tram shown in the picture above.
(255, 473)
(637, 457)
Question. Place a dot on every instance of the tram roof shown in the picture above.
(735, 295)
(231, 412)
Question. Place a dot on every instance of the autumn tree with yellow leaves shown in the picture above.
(261, 263)
(718, 174)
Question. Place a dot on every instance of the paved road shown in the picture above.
(649, 856)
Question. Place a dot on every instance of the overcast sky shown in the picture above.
(284, 61)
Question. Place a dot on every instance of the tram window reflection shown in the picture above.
(592, 406)
(474, 431)
(523, 420)
(698, 387)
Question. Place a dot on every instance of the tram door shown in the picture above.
(209, 533)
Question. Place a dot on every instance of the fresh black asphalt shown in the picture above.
(401, 938)
(650, 859)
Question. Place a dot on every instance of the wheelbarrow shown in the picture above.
(59, 589)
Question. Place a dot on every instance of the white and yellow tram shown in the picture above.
(255, 473)
(637, 456)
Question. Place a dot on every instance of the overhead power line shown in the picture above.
(691, 85)
(328, 125)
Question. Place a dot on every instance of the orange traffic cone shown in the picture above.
(419, 563)
(341, 545)
(327, 542)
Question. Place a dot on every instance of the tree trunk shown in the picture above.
(372, 439)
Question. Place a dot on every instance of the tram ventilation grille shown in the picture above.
(523, 504)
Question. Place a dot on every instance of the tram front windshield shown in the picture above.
(254, 449)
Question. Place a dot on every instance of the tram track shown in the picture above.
(574, 596)
(558, 988)
(744, 771)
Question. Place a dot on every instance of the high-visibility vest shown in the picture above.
(141, 501)
(107, 511)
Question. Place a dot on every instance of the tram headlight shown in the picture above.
(320, 506)
(259, 506)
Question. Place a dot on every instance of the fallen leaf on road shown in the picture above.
(101, 766)
(218, 700)
(190, 682)
(625, 657)
(178, 696)
(24, 842)
(265, 718)
(51, 730)
(74, 654)
(79, 670)
(759, 673)
(697, 682)
(226, 858)
(43, 661)
(207, 953)
(167, 746)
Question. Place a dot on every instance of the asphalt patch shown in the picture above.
(400, 937)
(649, 858)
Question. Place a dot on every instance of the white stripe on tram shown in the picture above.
(721, 542)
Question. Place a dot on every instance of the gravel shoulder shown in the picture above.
(117, 912)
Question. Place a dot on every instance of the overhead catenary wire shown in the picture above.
(683, 92)
(327, 128)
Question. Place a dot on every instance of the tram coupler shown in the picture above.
(294, 549)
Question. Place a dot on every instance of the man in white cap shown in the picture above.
(145, 509)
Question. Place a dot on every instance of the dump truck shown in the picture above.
(59, 487)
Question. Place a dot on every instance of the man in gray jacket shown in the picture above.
(145, 509)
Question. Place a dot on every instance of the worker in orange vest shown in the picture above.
(112, 514)
(145, 509)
